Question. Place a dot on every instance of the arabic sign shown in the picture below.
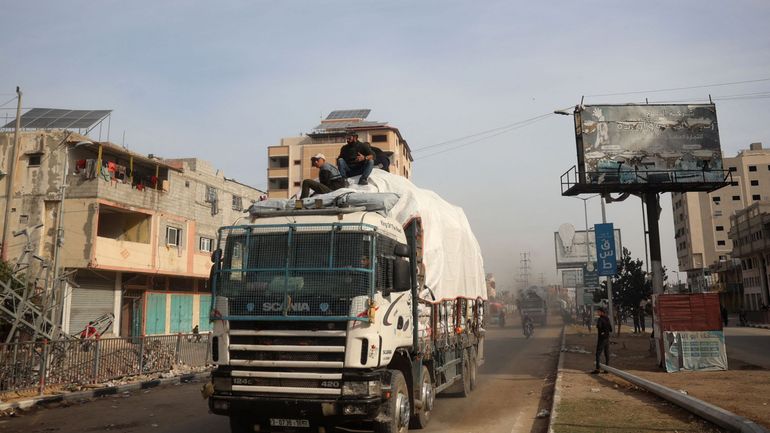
(570, 248)
(590, 276)
(649, 143)
(606, 260)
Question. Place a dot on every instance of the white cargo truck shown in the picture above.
(355, 309)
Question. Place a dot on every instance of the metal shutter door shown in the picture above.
(205, 310)
(181, 313)
(92, 299)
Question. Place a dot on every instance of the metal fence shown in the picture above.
(33, 366)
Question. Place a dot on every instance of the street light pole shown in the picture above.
(611, 313)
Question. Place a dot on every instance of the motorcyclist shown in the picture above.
(526, 321)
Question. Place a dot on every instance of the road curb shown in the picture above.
(557, 385)
(759, 325)
(707, 411)
(101, 392)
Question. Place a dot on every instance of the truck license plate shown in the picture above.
(284, 422)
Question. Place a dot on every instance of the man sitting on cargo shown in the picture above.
(356, 158)
(329, 178)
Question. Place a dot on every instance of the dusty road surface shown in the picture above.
(507, 399)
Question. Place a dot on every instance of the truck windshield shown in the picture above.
(295, 270)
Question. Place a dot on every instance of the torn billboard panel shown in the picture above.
(571, 250)
(625, 144)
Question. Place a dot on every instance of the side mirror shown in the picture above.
(401, 250)
(402, 275)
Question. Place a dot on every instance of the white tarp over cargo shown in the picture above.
(451, 255)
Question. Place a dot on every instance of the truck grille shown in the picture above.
(304, 358)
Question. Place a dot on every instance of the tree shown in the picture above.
(629, 286)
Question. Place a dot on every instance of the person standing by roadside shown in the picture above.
(604, 330)
(723, 310)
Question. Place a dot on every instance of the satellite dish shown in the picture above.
(567, 235)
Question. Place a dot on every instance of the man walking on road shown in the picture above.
(604, 328)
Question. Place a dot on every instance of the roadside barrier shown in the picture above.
(31, 366)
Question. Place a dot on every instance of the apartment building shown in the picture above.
(138, 231)
(750, 235)
(289, 162)
(702, 220)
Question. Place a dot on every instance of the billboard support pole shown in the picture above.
(653, 215)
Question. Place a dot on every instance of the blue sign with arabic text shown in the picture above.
(606, 256)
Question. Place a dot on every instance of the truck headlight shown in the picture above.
(365, 388)
(222, 384)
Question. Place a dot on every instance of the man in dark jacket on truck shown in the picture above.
(329, 178)
(604, 328)
(356, 158)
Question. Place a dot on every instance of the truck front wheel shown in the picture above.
(427, 396)
(397, 410)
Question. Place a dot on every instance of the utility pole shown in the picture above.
(524, 269)
(11, 175)
(653, 215)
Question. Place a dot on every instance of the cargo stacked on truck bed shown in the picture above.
(355, 306)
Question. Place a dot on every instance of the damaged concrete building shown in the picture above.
(138, 231)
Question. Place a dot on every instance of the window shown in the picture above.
(752, 168)
(379, 138)
(721, 243)
(733, 169)
(206, 244)
(297, 161)
(237, 204)
(173, 236)
(211, 194)
(720, 228)
(297, 184)
(34, 160)
(756, 197)
(734, 183)
(722, 258)
(716, 199)
(754, 183)
(736, 197)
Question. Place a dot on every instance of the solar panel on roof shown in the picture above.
(45, 118)
(348, 114)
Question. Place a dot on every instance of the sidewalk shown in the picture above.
(605, 403)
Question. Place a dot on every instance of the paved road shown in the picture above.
(506, 401)
(750, 345)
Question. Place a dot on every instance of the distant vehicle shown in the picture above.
(496, 314)
(533, 302)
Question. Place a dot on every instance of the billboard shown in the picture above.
(648, 144)
(570, 247)
(572, 278)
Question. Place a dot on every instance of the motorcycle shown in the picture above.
(529, 329)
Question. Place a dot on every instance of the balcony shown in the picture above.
(278, 172)
(274, 151)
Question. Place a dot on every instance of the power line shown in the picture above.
(8, 102)
(510, 125)
(759, 80)
(519, 126)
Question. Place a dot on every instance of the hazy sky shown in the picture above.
(223, 80)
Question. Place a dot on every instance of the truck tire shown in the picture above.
(241, 424)
(397, 410)
(427, 395)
